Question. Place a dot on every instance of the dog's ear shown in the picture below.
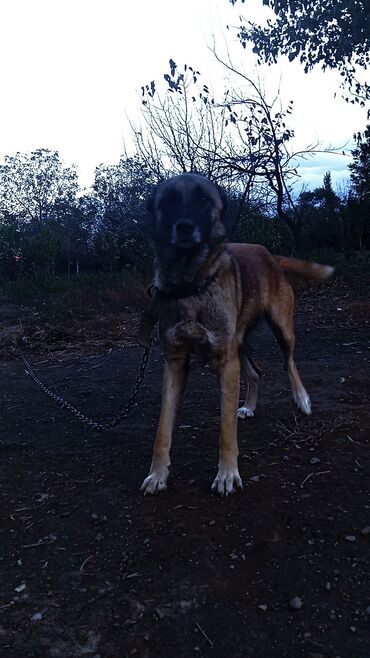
(223, 196)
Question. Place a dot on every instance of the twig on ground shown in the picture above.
(313, 474)
(88, 559)
(204, 634)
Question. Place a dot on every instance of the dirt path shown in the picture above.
(90, 567)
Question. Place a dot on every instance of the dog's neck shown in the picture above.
(189, 269)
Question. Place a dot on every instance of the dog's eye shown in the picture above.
(170, 200)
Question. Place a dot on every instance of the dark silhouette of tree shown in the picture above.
(33, 189)
(358, 216)
(73, 224)
(32, 183)
(122, 191)
(320, 210)
(334, 34)
(360, 167)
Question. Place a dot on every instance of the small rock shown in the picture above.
(366, 531)
(328, 586)
(212, 522)
(315, 460)
(20, 588)
(94, 517)
(296, 603)
(263, 607)
(353, 629)
(255, 478)
(350, 538)
(285, 458)
(368, 610)
(37, 616)
(163, 612)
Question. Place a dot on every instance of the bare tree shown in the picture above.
(180, 131)
(241, 141)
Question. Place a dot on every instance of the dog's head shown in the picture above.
(187, 212)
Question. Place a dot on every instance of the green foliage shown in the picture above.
(271, 232)
(332, 33)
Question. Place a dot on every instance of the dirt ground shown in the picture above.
(91, 567)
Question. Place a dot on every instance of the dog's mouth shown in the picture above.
(185, 235)
(185, 244)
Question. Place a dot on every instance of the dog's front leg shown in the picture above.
(174, 381)
(228, 478)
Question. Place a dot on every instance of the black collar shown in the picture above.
(185, 290)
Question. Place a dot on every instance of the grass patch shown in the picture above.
(61, 299)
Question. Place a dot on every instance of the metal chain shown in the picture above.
(103, 427)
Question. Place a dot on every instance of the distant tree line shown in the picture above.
(49, 227)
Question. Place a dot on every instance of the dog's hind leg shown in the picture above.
(280, 318)
(174, 381)
(228, 477)
(251, 378)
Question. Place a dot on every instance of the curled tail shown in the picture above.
(304, 268)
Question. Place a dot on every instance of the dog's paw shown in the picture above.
(303, 402)
(155, 482)
(244, 412)
(227, 481)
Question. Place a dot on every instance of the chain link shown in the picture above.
(64, 404)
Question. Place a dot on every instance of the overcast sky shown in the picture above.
(71, 71)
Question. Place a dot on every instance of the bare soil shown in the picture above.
(90, 567)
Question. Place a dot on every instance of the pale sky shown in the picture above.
(71, 71)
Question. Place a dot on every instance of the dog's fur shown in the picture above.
(206, 295)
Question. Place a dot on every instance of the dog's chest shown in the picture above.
(203, 326)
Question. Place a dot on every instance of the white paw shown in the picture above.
(155, 482)
(303, 402)
(227, 481)
(245, 411)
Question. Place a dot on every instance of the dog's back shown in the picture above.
(264, 277)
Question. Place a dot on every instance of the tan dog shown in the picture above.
(206, 296)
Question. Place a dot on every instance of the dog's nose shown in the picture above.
(184, 228)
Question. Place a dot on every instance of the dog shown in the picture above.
(205, 296)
